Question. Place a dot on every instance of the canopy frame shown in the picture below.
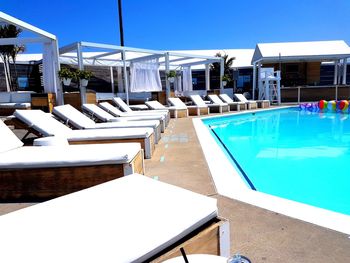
(51, 65)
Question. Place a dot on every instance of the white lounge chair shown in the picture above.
(216, 100)
(251, 104)
(126, 108)
(197, 100)
(131, 219)
(43, 124)
(234, 105)
(162, 117)
(192, 109)
(33, 173)
(70, 115)
(175, 111)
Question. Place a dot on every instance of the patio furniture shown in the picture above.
(234, 105)
(251, 104)
(215, 100)
(36, 173)
(131, 219)
(43, 124)
(115, 112)
(78, 120)
(175, 111)
(192, 109)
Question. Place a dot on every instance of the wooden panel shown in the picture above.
(313, 73)
(74, 99)
(183, 113)
(45, 183)
(138, 163)
(45, 101)
(203, 241)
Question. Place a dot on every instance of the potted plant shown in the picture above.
(66, 76)
(84, 77)
(225, 79)
(171, 76)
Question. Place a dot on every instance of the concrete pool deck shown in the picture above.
(261, 235)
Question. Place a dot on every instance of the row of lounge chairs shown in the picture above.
(111, 220)
(220, 104)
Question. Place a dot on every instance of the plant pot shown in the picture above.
(66, 81)
(84, 82)
(224, 82)
(171, 79)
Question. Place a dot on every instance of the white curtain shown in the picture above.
(50, 70)
(187, 79)
(145, 76)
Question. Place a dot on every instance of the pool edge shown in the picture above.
(229, 183)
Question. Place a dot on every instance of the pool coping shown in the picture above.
(229, 183)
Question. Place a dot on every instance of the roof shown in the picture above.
(299, 51)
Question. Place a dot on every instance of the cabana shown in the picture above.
(50, 52)
(144, 65)
(301, 58)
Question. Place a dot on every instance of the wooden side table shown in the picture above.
(44, 101)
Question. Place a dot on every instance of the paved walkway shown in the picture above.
(262, 235)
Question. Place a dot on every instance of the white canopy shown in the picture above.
(50, 52)
(125, 56)
(301, 51)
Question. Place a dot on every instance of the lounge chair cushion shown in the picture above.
(44, 123)
(216, 100)
(153, 104)
(121, 104)
(101, 114)
(109, 134)
(67, 156)
(72, 115)
(125, 220)
(8, 140)
(198, 100)
(177, 103)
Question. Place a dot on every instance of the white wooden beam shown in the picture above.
(14, 21)
(167, 83)
(207, 77)
(23, 40)
(106, 54)
(335, 82)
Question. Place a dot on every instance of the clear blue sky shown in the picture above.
(187, 24)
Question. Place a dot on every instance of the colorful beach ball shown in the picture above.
(322, 104)
(332, 105)
(343, 105)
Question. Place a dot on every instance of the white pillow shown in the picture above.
(8, 140)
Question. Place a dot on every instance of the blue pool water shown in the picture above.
(297, 155)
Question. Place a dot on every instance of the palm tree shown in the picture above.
(9, 52)
(215, 68)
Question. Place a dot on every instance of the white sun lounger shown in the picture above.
(175, 111)
(234, 105)
(70, 115)
(44, 124)
(162, 117)
(251, 104)
(32, 173)
(197, 100)
(192, 109)
(131, 219)
(126, 108)
(216, 100)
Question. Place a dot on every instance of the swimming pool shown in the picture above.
(297, 155)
